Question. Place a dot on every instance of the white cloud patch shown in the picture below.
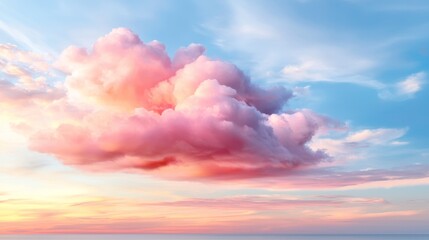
(271, 42)
(353, 145)
(376, 136)
(319, 71)
(310, 70)
(412, 84)
(405, 89)
(288, 49)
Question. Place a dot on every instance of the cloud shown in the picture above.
(232, 214)
(412, 84)
(316, 51)
(323, 71)
(405, 89)
(311, 54)
(312, 71)
(355, 145)
(264, 203)
(337, 177)
(376, 136)
(23, 80)
(126, 105)
(11, 54)
(308, 70)
(13, 94)
(20, 34)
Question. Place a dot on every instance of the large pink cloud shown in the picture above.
(189, 117)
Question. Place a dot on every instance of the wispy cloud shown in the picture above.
(196, 215)
(339, 177)
(291, 50)
(405, 89)
(21, 36)
(375, 136)
(356, 145)
(25, 79)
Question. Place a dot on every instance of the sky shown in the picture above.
(299, 116)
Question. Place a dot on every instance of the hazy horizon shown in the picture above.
(218, 236)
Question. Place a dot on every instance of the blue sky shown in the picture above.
(364, 64)
(380, 42)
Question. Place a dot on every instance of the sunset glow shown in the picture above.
(220, 117)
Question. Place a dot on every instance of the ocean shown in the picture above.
(212, 237)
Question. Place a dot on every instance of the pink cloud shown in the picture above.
(218, 215)
(125, 105)
(23, 83)
(335, 177)
(243, 202)
(250, 203)
(11, 54)
(128, 106)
